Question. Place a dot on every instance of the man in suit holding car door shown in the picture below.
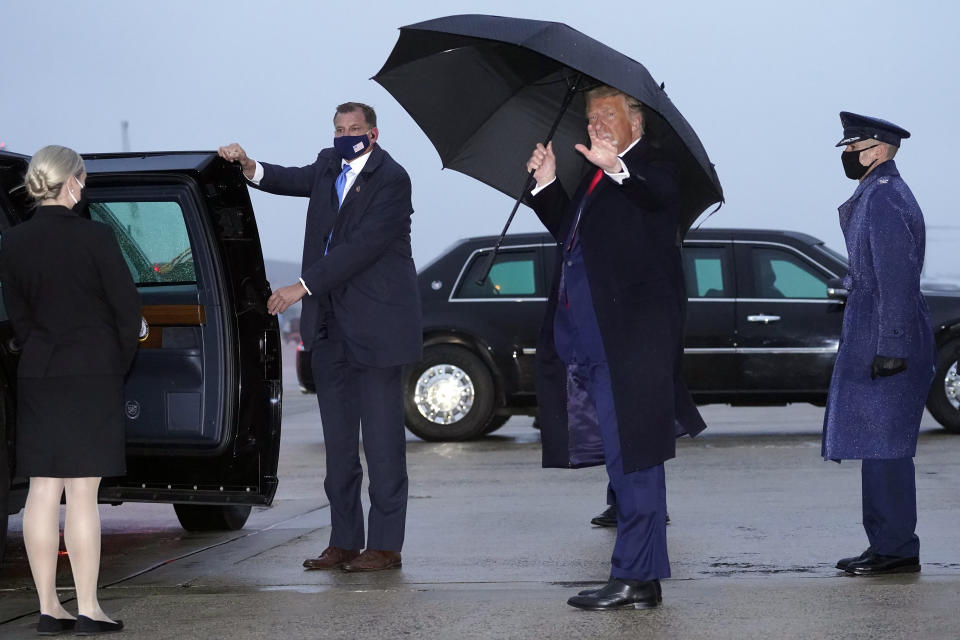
(361, 323)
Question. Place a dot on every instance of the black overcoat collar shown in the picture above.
(54, 210)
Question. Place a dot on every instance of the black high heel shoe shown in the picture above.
(88, 627)
(50, 626)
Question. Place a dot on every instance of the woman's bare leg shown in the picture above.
(81, 532)
(41, 536)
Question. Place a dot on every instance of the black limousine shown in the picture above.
(763, 327)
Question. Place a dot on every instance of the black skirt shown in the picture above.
(70, 427)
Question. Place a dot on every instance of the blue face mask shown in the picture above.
(351, 147)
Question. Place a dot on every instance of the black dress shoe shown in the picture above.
(88, 627)
(875, 565)
(620, 594)
(606, 519)
(50, 626)
(843, 563)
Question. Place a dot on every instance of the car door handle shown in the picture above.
(764, 318)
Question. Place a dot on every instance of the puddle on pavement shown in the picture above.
(727, 569)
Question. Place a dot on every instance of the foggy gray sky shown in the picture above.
(761, 82)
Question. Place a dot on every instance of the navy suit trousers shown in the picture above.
(890, 506)
(355, 398)
(640, 551)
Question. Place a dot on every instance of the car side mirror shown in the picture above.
(835, 289)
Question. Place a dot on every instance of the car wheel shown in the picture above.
(448, 396)
(944, 400)
(212, 517)
(495, 423)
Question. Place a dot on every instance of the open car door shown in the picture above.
(203, 399)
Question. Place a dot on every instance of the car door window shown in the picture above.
(514, 274)
(707, 272)
(781, 274)
(154, 240)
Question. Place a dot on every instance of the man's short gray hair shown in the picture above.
(606, 91)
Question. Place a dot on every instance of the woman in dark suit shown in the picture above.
(75, 312)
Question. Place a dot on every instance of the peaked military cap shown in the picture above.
(857, 128)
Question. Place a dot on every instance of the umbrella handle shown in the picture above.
(567, 99)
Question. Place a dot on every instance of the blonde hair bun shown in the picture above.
(49, 168)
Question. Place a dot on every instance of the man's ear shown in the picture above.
(374, 134)
(636, 126)
(880, 151)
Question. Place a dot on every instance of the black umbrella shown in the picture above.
(487, 89)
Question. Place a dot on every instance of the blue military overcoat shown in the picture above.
(885, 315)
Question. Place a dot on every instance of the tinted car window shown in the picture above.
(780, 274)
(153, 238)
(514, 275)
(707, 272)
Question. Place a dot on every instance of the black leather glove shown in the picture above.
(884, 366)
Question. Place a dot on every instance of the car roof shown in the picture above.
(718, 233)
(6, 153)
(153, 161)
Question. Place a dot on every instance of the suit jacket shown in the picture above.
(364, 290)
(628, 237)
(68, 292)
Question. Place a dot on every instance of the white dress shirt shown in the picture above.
(617, 176)
(356, 166)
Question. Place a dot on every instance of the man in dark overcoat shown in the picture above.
(886, 359)
(361, 322)
(609, 383)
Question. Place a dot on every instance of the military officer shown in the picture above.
(885, 362)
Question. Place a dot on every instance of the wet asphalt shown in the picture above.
(495, 545)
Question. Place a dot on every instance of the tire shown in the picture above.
(495, 423)
(212, 517)
(448, 396)
(944, 399)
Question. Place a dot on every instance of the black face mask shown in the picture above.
(851, 163)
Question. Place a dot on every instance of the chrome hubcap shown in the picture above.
(951, 386)
(444, 394)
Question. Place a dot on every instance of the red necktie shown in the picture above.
(576, 223)
(596, 179)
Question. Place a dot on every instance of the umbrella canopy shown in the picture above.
(486, 90)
